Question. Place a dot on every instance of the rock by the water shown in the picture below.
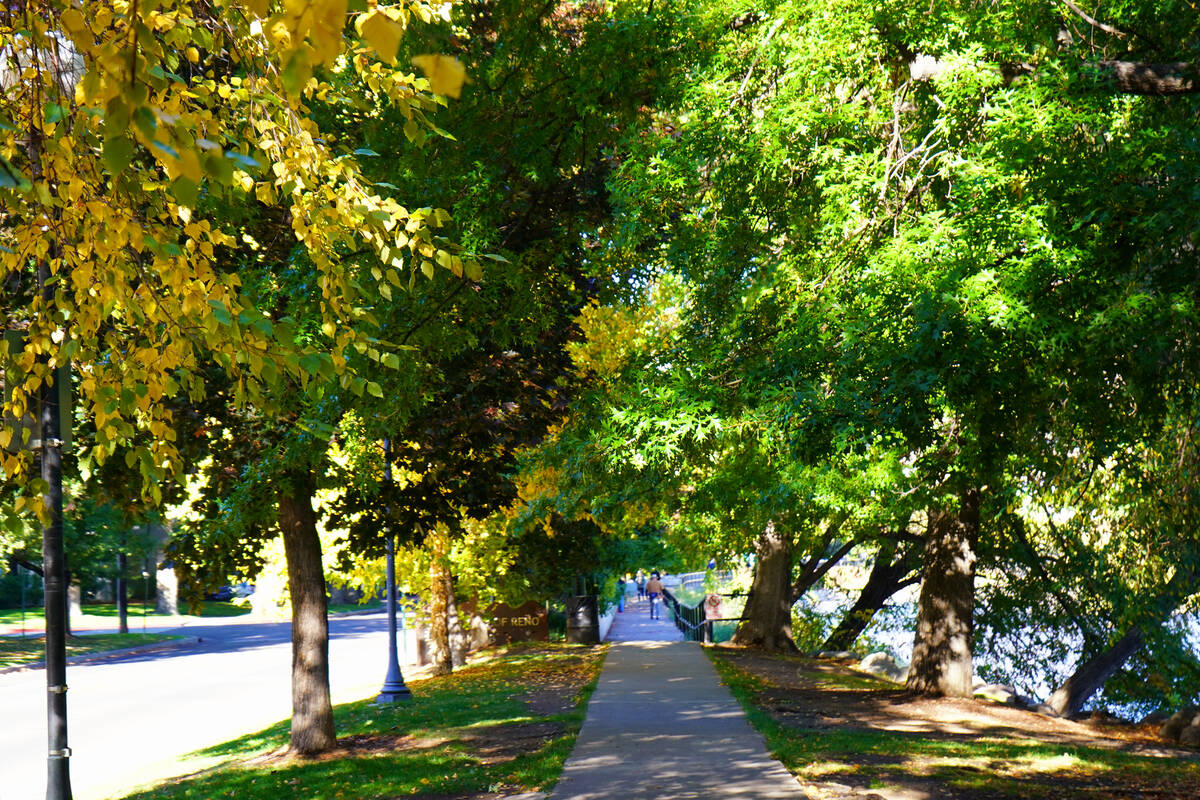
(884, 666)
(999, 693)
(836, 654)
(1184, 718)
(1154, 718)
(1190, 736)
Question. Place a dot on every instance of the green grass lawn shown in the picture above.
(503, 725)
(983, 766)
(341, 608)
(15, 651)
(107, 615)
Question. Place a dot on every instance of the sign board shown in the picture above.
(712, 607)
(528, 622)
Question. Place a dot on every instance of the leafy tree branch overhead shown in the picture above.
(123, 130)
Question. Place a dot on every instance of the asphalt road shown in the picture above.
(130, 719)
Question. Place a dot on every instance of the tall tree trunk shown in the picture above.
(440, 590)
(941, 662)
(890, 574)
(312, 710)
(768, 615)
(1089, 676)
(456, 638)
(122, 596)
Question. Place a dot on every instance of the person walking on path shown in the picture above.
(660, 726)
(654, 590)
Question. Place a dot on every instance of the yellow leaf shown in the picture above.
(446, 74)
(74, 22)
(383, 34)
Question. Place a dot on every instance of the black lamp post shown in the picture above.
(393, 685)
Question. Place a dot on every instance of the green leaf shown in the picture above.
(297, 72)
(243, 159)
(220, 312)
(186, 191)
(11, 177)
(118, 152)
(375, 389)
(145, 121)
(53, 113)
(366, 151)
(311, 363)
(218, 168)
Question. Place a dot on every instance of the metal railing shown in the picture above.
(694, 581)
(693, 621)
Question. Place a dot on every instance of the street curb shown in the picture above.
(357, 613)
(90, 657)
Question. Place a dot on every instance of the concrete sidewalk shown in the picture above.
(660, 726)
(634, 624)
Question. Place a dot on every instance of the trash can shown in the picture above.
(583, 619)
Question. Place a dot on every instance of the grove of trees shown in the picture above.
(916, 284)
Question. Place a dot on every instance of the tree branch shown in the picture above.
(1158, 80)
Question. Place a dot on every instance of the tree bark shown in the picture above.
(312, 709)
(813, 569)
(1159, 80)
(439, 602)
(889, 574)
(456, 638)
(1089, 676)
(122, 595)
(941, 662)
(768, 615)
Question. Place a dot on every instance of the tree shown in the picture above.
(920, 263)
(117, 130)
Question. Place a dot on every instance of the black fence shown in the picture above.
(693, 621)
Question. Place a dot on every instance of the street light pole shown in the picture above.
(58, 756)
(393, 685)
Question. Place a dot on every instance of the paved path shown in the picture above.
(660, 726)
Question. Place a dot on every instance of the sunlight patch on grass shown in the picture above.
(1021, 766)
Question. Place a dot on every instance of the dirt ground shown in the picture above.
(810, 697)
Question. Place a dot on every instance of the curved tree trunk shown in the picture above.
(1089, 676)
(941, 662)
(890, 574)
(813, 569)
(768, 615)
(312, 710)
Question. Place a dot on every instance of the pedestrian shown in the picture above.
(654, 590)
(641, 584)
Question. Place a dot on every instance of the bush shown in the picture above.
(10, 589)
